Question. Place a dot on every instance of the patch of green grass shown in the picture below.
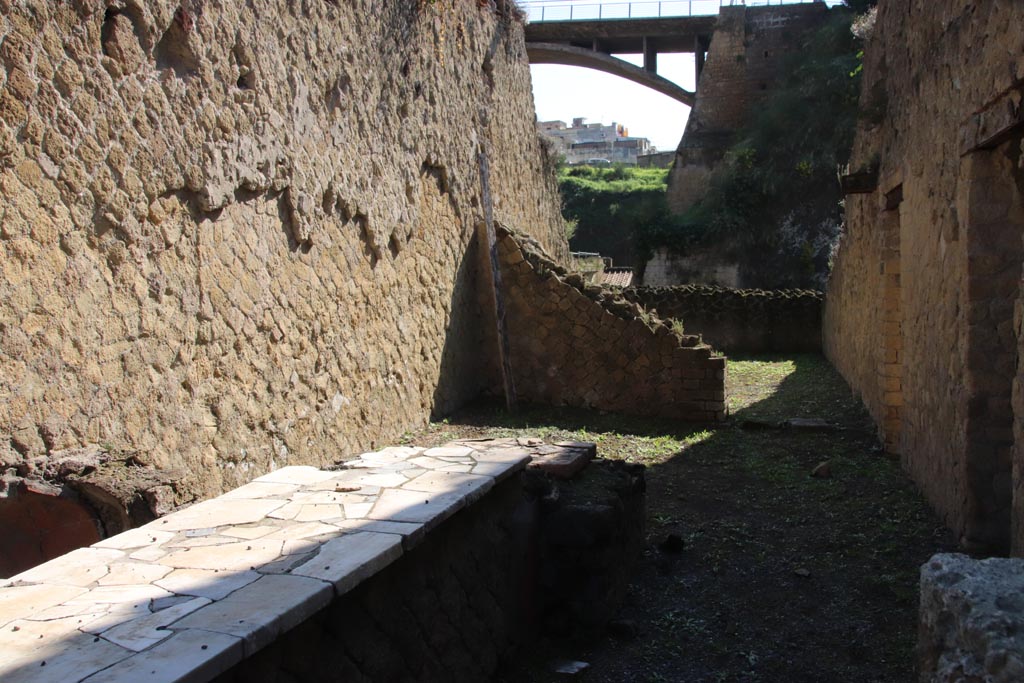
(743, 500)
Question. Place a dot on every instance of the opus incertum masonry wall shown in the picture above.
(240, 236)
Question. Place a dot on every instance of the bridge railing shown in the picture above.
(560, 10)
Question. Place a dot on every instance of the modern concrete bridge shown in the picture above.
(592, 43)
(589, 34)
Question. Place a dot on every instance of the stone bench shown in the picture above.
(192, 594)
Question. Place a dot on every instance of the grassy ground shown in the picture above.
(783, 576)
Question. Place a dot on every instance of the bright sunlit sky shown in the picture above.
(562, 93)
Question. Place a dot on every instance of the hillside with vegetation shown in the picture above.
(775, 203)
(608, 207)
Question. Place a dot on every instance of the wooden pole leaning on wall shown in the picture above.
(490, 243)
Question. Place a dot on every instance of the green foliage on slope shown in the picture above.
(611, 205)
(776, 199)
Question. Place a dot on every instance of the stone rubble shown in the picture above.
(971, 620)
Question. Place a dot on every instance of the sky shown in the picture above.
(561, 93)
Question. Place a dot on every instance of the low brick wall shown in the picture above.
(478, 587)
(446, 611)
(585, 345)
(740, 320)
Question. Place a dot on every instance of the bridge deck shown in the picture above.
(673, 34)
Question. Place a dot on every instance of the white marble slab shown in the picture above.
(227, 557)
(21, 602)
(300, 475)
(348, 560)
(78, 568)
(58, 660)
(135, 538)
(470, 486)
(429, 509)
(262, 489)
(411, 533)
(145, 631)
(189, 655)
(262, 610)
(217, 512)
(129, 573)
(189, 595)
(449, 452)
(206, 583)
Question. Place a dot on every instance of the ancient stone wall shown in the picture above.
(236, 236)
(740, 320)
(584, 345)
(743, 62)
(667, 268)
(920, 304)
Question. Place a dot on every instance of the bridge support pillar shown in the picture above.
(650, 56)
(700, 48)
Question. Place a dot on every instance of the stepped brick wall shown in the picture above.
(584, 345)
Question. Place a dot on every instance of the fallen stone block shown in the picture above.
(971, 620)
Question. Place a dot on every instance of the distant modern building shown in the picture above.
(595, 143)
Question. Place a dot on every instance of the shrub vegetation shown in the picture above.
(774, 203)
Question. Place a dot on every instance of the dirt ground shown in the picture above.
(754, 570)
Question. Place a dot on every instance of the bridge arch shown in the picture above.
(568, 55)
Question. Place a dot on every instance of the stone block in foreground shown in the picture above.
(971, 620)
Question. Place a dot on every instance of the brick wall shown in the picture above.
(584, 345)
(479, 586)
(871, 363)
(740, 320)
(919, 313)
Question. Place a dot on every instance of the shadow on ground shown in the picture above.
(782, 576)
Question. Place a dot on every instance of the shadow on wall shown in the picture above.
(40, 526)
(470, 344)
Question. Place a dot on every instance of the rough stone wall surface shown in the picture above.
(666, 269)
(743, 62)
(971, 624)
(938, 126)
(239, 235)
(740, 320)
(584, 345)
